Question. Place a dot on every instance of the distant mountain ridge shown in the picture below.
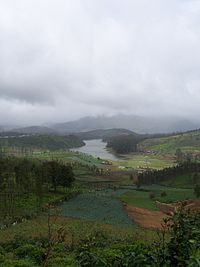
(137, 124)
(134, 123)
(35, 130)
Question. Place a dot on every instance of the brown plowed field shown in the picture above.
(144, 217)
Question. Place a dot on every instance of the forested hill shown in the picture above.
(158, 143)
(44, 142)
(35, 130)
(103, 134)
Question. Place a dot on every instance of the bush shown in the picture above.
(65, 261)
(163, 194)
(179, 248)
(17, 263)
(30, 251)
(152, 196)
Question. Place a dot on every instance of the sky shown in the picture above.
(64, 59)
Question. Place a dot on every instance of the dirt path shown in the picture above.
(144, 217)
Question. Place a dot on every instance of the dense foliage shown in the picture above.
(156, 176)
(124, 143)
(44, 142)
(178, 245)
(21, 179)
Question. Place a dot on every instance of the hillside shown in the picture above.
(187, 142)
(49, 142)
(102, 134)
(35, 130)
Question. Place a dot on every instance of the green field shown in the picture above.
(142, 198)
(180, 181)
(139, 160)
(97, 206)
(68, 156)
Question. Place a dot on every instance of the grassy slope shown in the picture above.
(68, 156)
(142, 199)
(180, 181)
(143, 161)
(73, 226)
(187, 142)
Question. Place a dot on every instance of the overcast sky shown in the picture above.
(64, 59)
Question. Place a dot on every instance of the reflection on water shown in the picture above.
(96, 148)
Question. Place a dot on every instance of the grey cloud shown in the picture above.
(63, 59)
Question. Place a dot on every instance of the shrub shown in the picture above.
(30, 251)
(152, 196)
(64, 261)
(17, 263)
(163, 194)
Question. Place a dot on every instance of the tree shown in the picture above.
(66, 176)
(196, 178)
(59, 174)
(197, 190)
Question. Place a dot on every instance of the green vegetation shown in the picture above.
(187, 142)
(179, 248)
(26, 185)
(160, 176)
(124, 144)
(142, 198)
(139, 199)
(98, 206)
(104, 134)
(41, 142)
(137, 161)
(32, 245)
(41, 225)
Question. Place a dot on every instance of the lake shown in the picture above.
(96, 148)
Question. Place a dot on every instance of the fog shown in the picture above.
(64, 59)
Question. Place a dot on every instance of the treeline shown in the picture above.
(22, 178)
(124, 144)
(156, 176)
(127, 143)
(44, 142)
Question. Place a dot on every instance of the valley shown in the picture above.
(109, 192)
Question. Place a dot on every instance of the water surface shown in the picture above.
(96, 148)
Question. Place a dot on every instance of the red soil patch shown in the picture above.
(144, 217)
(154, 219)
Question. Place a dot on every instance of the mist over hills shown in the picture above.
(137, 124)
(35, 130)
(134, 123)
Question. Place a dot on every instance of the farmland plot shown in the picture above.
(97, 206)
